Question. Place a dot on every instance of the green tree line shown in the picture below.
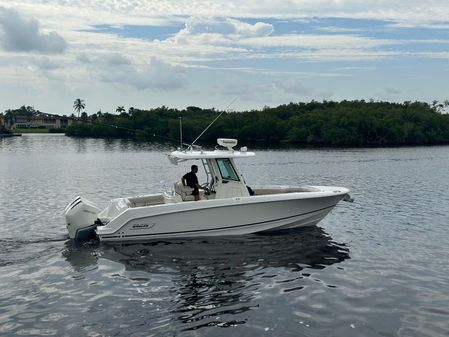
(327, 123)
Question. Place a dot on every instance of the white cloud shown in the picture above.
(156, 74)
(334, 29)
(48, 64)
(435, 25)
(293, 86)
(313, 41)
(22, 34)
(437, 55)
(216, 36)
(127, 11)
(219, 38)
(225, 26)
(388, 92)
(111, 59)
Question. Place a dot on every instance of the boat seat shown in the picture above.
(184, 191)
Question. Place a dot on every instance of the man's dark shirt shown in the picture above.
(191, 179)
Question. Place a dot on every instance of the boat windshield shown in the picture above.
(227, 171)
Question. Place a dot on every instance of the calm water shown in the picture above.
(376, 267)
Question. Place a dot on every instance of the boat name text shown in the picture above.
(143, 226)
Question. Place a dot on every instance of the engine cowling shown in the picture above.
(80, 216)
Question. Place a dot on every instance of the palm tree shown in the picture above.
(79, 105)
(120, 109)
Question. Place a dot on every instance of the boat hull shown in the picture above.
(233, 216)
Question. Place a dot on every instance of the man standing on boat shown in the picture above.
(190, 179)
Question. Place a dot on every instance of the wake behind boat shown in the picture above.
(226, 206)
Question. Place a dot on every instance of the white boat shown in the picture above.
(226, 206)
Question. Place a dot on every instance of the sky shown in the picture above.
(254, 53)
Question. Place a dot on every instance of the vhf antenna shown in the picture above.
(235, 99)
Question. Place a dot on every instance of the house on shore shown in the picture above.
(34, 120)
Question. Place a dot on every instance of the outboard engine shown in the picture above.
(80, 217)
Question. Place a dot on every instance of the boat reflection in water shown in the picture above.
(212, 281)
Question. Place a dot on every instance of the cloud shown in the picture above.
(156, 74)
(204, 39)
(226, 26)
(441, 55)
(112, 59)
(313, 41)
(293, 86)
(277, 90)
(218, 38)
(47, 64)
(22, 34)
(334, 29)
(89, 13)
(404, 10)
(121, 11)
(388, 92)
(219, 30)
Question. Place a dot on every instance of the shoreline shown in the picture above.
(7, 135)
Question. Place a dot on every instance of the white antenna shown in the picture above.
(180, 131)
(214, 121)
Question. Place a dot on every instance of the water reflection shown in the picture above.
(292, 249)
(215, 280)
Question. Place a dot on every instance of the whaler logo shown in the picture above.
(140, 226)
